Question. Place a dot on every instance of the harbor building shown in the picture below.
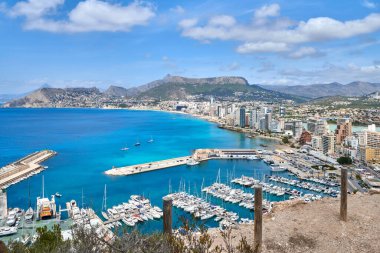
(46, 208)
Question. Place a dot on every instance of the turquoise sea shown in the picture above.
(88, 142)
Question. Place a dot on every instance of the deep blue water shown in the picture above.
(88, 142)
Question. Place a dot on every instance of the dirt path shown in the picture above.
(315, 227)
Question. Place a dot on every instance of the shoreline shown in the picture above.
(210, 119)
(200, 117)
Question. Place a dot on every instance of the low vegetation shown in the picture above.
(189, 240)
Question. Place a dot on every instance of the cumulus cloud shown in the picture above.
(253, 47)
(267, 11)
(87, 16)
(35, 8)
(187, 23)
(269, 32)
(222, 20)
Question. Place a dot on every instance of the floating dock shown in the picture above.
(199, 155)
(24, 168)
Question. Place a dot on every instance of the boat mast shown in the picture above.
(43, 187)
(218, 177)
(29, 204)
(82, 197)
(104, 204)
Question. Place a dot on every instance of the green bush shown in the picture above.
(344, 160)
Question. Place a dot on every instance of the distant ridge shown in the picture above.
(225, 87)
(57, 97)
(232, 88)
(116, 91)
(356, 89)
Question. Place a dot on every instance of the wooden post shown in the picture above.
(343, 194)
(258, 222)
(168, 203)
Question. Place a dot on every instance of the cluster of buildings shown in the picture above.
(361, 145)
(311, 128)
(273, 118)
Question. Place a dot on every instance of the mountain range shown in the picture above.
(354, 89)
(169, 88)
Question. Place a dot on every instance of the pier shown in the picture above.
(199, 155)
(146, 167)
(24, 168)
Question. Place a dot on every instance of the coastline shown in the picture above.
(201, 117)
(209, 119)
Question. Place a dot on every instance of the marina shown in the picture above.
(137, 209)
(202, 210)
(306, 185)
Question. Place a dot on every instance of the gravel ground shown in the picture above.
(315, 227)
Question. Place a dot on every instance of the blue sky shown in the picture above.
(102, 42)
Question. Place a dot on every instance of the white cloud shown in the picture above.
(222, 20)
(178, 9)
(324, 28)
(253, 47)
(271, 10)
(187, 23)
(87, 16)
(368, 4)
(305, 52)
(35, 8)
(270, 33)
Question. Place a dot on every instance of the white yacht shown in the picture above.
(11, 219)
(277, 168)
(252, 157)
(29, 215)
(8, 231)
(192, 162)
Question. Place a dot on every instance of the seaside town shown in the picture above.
(312, 151)
(143, 126)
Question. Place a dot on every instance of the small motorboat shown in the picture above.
(58, 195)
